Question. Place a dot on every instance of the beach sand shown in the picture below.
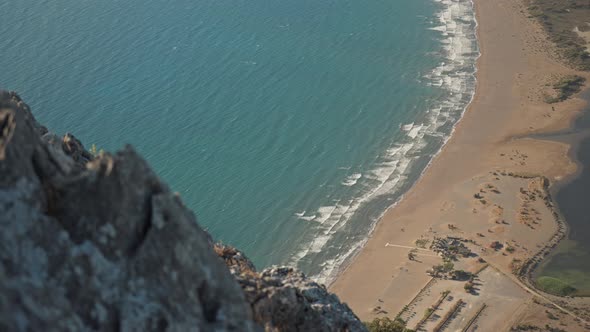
(486, 185)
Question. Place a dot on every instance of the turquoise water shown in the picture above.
(288, 126)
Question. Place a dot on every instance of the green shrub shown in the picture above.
(428, 312)
(525, 327)
(448, 266)
(385, 324)
(565, 88)
(421, 243)
(550, 315)
(461, 275)
(559, 18)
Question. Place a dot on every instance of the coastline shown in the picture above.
(456, 68)
(569, 208)
(515, 64)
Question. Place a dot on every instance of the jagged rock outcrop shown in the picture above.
(235, 260)
(102, 244)
(283, 299)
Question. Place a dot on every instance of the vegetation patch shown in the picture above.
(562, 19)
(421, 243)
(461, 275)
(565, 88)
(554, 286)
(469, 287)
(385, 324)
(525, 327)
(516, 265)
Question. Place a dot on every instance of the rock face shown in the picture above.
(102, 244)
(283, 299)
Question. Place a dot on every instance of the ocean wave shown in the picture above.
(412, 129)
(456, 24)
(351, 180)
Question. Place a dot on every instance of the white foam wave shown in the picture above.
(413, 133)
(456, 75)
(302, 216)
(351, 180)
(407, 127)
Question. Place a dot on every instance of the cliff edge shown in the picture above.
(100, 243)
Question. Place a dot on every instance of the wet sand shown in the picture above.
(514, 70)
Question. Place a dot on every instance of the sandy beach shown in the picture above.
(489, 183)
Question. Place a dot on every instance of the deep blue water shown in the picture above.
(288, 126)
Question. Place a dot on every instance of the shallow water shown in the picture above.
(288, 126)
(571, 260)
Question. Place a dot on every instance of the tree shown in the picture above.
(448, 266)
(412, 254)
(385, 324)
(461, 275)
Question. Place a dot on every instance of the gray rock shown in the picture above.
(283, 299)
(104, 247)
(102, 244)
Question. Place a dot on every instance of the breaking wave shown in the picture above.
(324, 255)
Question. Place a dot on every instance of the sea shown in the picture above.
(288, 126)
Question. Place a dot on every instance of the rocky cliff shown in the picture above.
(100, 243)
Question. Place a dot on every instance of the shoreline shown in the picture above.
(350, 259)
(574, 136)
(514, 65)
(577, 136)
(331, 278)
(461, 71)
